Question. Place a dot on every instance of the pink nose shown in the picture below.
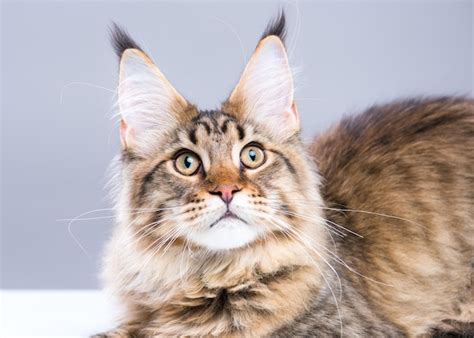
(225, 191)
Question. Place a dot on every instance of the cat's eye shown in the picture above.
(187, 163)
(252, 156)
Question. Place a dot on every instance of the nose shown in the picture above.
(225, 191)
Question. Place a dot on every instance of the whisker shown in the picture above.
(324, 277)
(234, 32)
(84, 219)
(79, 244)
(61, 94)
(324, 220)
(340, 261)
(378, 214)
(79, 218)
(135, 210)
(321, 220)
(291, 229)
(173, 233)
(357, 211)
(149, 228)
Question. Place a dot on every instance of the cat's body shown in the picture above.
(228, 225)
(408, 189)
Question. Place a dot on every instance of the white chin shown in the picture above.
(227, 234)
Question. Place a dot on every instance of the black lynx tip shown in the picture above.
(277, 27)
(121, 40)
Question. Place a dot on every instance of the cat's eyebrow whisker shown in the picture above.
(297, 29)
(235, 33)
(75, 83)
(310, 99)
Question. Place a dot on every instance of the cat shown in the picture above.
(228, 224)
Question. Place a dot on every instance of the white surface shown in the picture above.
(62, 313)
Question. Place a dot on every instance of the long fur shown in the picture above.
(366, 231)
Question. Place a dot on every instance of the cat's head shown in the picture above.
(219, 179)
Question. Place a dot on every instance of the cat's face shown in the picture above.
(220, 183)
(215, 179)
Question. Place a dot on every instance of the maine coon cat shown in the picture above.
(229, 225)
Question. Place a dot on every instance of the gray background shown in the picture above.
(58, 136)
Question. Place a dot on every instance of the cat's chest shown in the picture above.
(251, 308)
(216, 311)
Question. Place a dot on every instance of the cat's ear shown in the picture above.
(148, 103)
(265, 90)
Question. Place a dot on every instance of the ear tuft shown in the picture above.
(121, 40)
(276, 27)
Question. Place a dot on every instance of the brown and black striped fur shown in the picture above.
(402, 176)
(368, 230)
(408, 190)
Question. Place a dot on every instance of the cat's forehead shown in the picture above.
(215, 130)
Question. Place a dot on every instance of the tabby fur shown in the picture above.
(368, 230)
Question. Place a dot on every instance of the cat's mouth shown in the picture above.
(227, 215)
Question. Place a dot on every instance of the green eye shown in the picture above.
(252, 156)
(187, 163)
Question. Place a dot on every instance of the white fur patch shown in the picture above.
(229, 233)
(226, 234)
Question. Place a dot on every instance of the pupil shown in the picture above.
(188, 161)
(252, 155)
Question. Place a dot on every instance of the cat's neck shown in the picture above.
(247, 291)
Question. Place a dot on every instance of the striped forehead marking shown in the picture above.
(214, 122)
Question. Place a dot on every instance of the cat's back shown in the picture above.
(425, 145)
(401, 175)
(367, 144)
